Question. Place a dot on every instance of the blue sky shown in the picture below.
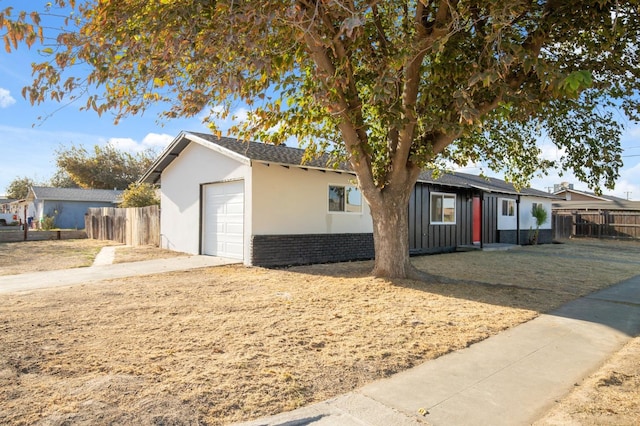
(28, 143)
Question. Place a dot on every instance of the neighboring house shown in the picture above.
(5, 203)
(585, 214)
(566, 192)
(261, 204)
(68, 205)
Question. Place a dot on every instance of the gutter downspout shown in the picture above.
(518, 220)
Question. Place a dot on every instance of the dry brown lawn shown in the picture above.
(33, 256)
(125, 254)
(218, 345)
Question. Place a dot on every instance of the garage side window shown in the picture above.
(345, 198)
(443, 209)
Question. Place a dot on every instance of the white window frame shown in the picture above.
(345, 210)
(442, 196)
(511, 211)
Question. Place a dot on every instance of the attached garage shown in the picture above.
(223, 219)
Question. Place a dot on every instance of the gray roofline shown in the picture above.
(220, 149)
(44, 193)
(596, 205)
(588, 194)
(173, 150)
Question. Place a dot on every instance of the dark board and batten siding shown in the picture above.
(427, 238)
(490, 212)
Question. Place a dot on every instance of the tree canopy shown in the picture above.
(140, 195)
(18, 188)
(393, 87)
(102, 168)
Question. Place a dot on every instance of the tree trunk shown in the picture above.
(391, 237)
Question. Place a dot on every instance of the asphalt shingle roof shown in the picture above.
(76, 194)
(601, 197)
(465, 180)
(264, 152)
(285, 155)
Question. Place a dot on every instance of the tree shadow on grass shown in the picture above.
(513, 296)
(524, 292)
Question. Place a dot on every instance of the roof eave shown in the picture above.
(303, 166)
(175, 148)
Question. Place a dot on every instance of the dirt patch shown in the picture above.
(611, 396)
(33, 256)
(139, 253)
(226, 344)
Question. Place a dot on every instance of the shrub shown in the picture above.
(48, 223)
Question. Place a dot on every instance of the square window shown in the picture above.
(508, 207)
(443, 208)
(345, 199)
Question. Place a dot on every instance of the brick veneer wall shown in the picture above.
(285, 250)
(545, 236)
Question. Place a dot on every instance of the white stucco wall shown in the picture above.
(526, 219)
(180, 195)
(294, 201)
(507, 222)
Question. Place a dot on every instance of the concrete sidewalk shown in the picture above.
(512, 378)
(103, 270)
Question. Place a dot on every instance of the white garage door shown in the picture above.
(223, 219)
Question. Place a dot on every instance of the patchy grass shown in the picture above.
(33, 256)
(225, 344)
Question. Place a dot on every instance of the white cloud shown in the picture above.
(218, 109)
(153, 141)
(157, 140)
(628, 185)
(235, 116)
(551, 152)
(6, 100)
(631, 132)
(240, 115)
(125, 144)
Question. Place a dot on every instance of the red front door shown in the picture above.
(477, 220)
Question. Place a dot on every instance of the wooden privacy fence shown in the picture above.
(596, 224)
(134, 226)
